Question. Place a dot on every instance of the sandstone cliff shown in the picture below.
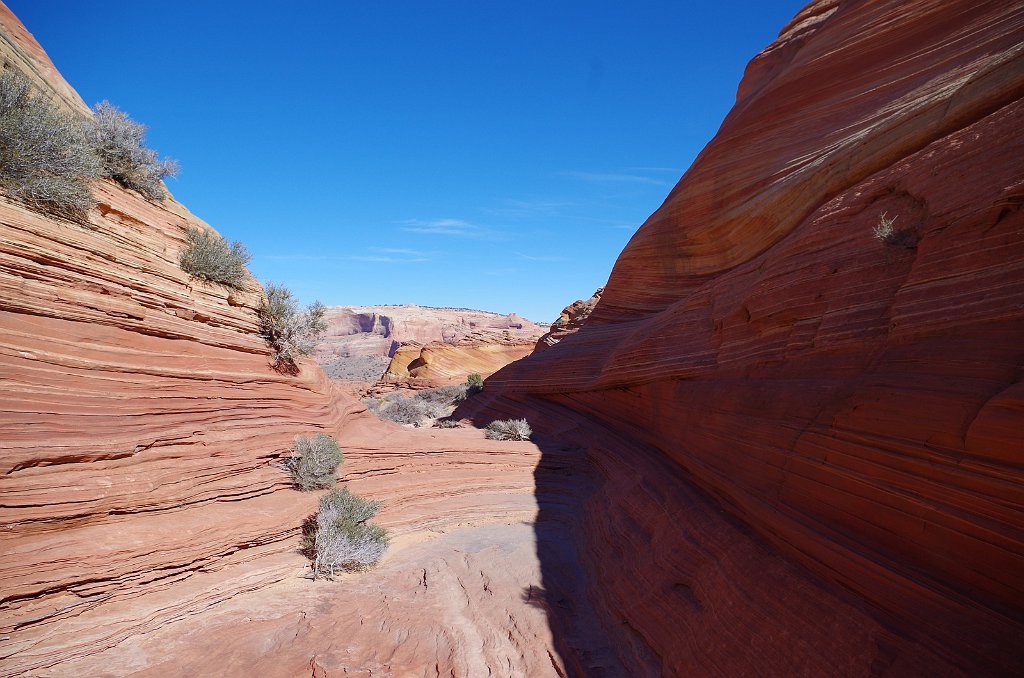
(361, 341)
(139, 422)
(856, 404)
(147, 527)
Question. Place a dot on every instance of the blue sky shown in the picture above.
(492, 155)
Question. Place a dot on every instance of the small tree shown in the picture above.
(46, 159)
(290, 332)
(474, 384)
(509, 429)
(315, 462)
(119, 142)
(208, 256)
(341, 537)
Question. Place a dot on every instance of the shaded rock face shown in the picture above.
(858, 406)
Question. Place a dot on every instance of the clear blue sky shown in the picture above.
(493, 155)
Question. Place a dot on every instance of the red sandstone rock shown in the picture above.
(857, 404)
(379, 330)
(570, 321)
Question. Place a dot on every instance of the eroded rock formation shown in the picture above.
(440, 362)
(859, 404)
(362, 342)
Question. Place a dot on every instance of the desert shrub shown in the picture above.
(404, 410)
(119, 142)
(474, 384)
(208, 256)
(46, 159)
(445, 396)
(509, 429)
(341, 536)
(289, 331)
(315, 462)
(886, 232)
(447, 423)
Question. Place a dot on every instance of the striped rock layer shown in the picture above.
(853, 404)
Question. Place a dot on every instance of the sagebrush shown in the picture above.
(509, 429)
(288, 330)
(341, 537)
(425, 404)
(119, 142)
(315, 462)
(46, 158)
(207, 255)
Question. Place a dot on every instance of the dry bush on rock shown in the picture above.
(316, 461)
(341, 537)
(290, 332)
(208, 256)
(46, 159)
(509, 429)
(404, 410)
(119, 142)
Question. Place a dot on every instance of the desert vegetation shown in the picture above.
(119, 143)
(46, 158)
(315, 461)
(886, 232)
(474, 384)
(208, 256)
(509, 429)
(340, 537)
(426, 404)
(290, 332)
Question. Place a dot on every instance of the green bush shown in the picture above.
(341, 538)
(119, 142)
(474, 384)
(208, 256)
(316, 461)
(289, 331)
(46, 159)
(509, 429)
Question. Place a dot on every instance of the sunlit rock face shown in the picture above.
(854, 403)
(140, 422)
(366, 343)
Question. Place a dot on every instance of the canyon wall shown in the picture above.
(140, 424)
(855, 402)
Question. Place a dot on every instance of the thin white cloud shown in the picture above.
(398, 250)
(386, 260)
(615, 177)
(442, 227)
(673, 170)
(539, 257)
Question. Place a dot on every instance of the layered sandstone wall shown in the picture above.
(859, 404)
(140, 424)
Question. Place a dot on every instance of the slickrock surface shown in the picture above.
(459, 592)
(859, 405)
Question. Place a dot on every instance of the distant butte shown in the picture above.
(780, 442)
